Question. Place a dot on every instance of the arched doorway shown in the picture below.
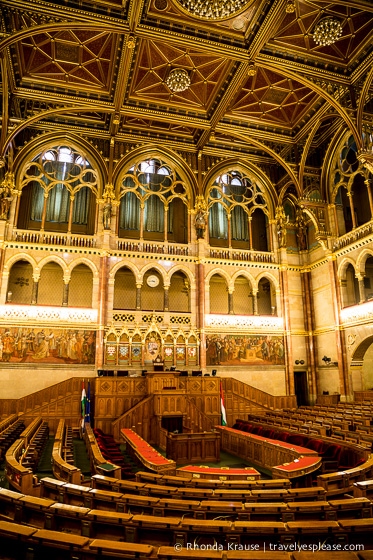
(362, 366)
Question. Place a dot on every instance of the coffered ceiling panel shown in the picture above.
(155, 62)
(273, 98)
(259, 84)
(80, 59)
(296, 32)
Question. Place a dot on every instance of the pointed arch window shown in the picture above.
(59, 188)
(233, 199)
(153, 202)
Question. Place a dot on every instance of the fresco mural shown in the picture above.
(244, 349)
(47, 346)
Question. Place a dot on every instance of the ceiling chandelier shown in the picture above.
(327, 31)
(178, 80)
(212, 9)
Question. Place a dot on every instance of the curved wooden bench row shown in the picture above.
(297, 509)
(99, 464)
(23, 455)
(155, 478)
(11, 427)
(320, 424)
(218, 473)
(62, 469)
(8, 421)
(153, 530)
(335, 454)
(342, 482)
(260, 494)
(18, 540)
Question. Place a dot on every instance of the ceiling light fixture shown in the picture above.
(327, 31)
(212, 9)
(290, 7)
(178, 80)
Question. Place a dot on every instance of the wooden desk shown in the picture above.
(61, 540)
(212, 473)
(314, 527)
(193, 447)
(285, 460)
(128, 549)
(146, 454)
(328, 399)
(15, 530)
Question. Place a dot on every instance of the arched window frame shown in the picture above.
(146, 179)
(62, 179)
(251, 198)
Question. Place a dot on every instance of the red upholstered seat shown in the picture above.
(297, 439)
(317, 445)
(333, 452)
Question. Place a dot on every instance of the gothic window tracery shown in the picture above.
(235, 200)
(349, 188)
(59, 187)
(153, 201)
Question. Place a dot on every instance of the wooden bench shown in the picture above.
(361, 507)
(316, 510)
(105, 548)
(56, 539)
(363, 488)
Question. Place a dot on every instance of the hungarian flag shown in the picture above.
(83, 404)
(223, 413)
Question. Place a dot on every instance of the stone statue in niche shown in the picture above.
(6, 196)
(106, 214)
(108, 198)
(200, 219)
(282, 220)
(301, 231)
(200, 224)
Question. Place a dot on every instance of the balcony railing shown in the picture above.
(352, 236)
(63, 239)
(145, 247)
(236, 255)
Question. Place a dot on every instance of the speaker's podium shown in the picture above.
(158, 365)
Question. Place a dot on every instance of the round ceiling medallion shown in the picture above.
(161, 4)
(213, 9)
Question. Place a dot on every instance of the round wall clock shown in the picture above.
(152, 281)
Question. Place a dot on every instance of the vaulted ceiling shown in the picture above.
(260, 85)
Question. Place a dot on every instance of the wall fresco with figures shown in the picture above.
(239, 350)
(47, 345)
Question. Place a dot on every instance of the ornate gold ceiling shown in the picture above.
(260, 85)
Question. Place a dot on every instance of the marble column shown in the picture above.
(65, 297)
(368, 183)
(345, 388)
(166, 303)
(230, 303)
(353, 217)
(255, 302)
(311, 341)
(138, 296)
(289, 368)
(201, 312)
(35, 290)
(360, 280)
